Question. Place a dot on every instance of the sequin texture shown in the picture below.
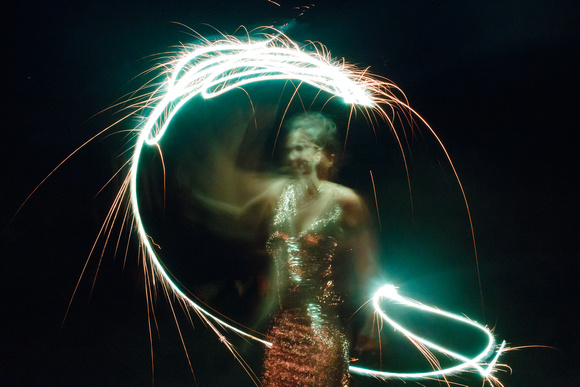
(309, 347)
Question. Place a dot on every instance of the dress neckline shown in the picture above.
(329, 207)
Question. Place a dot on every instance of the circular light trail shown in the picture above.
(213, 68)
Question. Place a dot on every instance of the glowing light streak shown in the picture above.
(213, 68)
(390, 292)
(216, 69)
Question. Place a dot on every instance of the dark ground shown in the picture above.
(497, 80)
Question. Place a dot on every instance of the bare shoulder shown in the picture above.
(345, 196)
(273, 190)
(277, 186)
(350, 202)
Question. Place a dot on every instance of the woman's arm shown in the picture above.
(359, 238)
(237, 210)
(225, 181)
(365, 271)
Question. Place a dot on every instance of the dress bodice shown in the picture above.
(305, 259)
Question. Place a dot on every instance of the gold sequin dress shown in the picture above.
(309, 345)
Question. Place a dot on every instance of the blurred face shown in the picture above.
(303, 154)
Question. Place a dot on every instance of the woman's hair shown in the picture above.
(320, 128)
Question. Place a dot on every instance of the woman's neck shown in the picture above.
(309, 188)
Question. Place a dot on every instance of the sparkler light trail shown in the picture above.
(390, 292)
(213, 68)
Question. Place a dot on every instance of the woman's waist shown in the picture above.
(304, 296)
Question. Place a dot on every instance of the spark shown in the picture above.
(212, 68)
(390, 292)
(376, 201)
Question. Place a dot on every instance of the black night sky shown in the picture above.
(497, 80)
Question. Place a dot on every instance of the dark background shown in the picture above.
(498, 81)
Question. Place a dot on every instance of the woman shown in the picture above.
(314, 222)
(318, 241)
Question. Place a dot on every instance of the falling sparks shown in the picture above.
(212, 68)
(390, 293)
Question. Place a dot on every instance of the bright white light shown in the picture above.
(213, 68)
(217, 68)
(390, 292)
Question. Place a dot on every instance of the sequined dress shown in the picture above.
(310, 347)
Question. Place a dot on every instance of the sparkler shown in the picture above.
(214, 68)
(390, 292)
